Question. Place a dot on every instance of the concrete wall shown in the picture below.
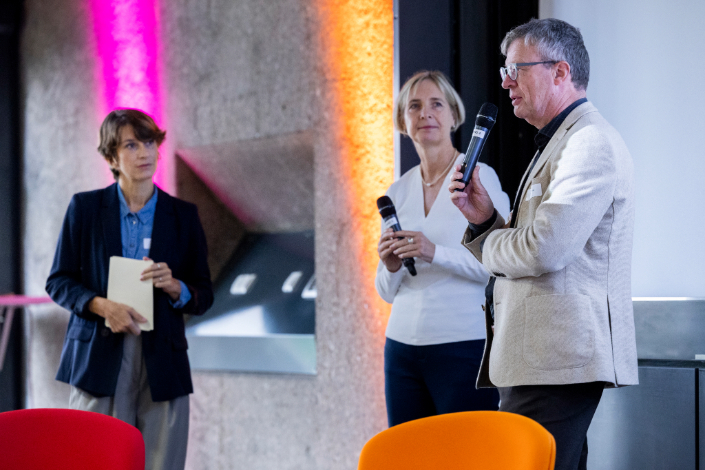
(234, 70)
(59, 159)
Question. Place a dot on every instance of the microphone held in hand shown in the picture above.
(483, 125)
(389, 216)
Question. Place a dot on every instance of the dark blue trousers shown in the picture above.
(421, 381)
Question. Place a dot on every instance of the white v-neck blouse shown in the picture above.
(443, 303)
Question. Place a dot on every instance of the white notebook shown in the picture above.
(125, 287)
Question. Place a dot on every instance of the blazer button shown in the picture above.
(105, 332)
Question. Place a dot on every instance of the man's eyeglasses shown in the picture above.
(512, 69)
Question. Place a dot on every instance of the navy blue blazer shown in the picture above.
(92, 353)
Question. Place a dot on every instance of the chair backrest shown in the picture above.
(486, 440)
(68, 439)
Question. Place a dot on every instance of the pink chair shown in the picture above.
(53, 438)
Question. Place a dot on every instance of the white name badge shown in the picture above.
(534, 191)
(147, 242)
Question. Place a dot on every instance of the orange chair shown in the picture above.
(50, 439)
(487, 440)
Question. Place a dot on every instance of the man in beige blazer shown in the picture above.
(561, 326)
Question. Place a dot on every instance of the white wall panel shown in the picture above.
(646, 73)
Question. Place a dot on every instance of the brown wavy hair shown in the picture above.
(144, 127)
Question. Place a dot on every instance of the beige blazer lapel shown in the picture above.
(571, 119)
(522, 183)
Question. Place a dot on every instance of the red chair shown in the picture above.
(55, 438)
(486, 440)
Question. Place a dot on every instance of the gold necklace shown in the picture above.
(443, 173)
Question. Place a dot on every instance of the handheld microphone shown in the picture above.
(389, 216)
(483, 125)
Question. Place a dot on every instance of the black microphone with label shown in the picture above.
(483, 125)
(389, 216)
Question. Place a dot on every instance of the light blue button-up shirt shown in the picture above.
(136, 234)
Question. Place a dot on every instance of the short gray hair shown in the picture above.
(555, 40)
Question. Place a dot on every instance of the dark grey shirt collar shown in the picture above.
(546, 132)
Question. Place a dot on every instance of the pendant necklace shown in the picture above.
(443, 173)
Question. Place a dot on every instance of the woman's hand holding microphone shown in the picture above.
(395, 246)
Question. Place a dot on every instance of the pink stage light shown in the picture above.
(127, 40)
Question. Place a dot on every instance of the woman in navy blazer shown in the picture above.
(140, 377)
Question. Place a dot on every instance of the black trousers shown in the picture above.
(564, 410)
(421, 381)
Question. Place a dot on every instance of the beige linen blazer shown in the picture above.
(562, 299)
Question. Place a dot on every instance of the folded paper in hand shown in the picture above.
(125, 287)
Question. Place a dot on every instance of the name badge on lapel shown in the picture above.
(534, 191)
(147, 243)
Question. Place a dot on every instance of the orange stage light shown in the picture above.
(358, 40)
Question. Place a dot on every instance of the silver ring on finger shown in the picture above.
(160, 279)
(410, 240)
(158, 267)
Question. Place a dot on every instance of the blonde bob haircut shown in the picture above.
(443, 84)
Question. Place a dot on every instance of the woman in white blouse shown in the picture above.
(436, 333)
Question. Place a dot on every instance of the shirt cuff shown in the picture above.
(477, 230)
(183, 298)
